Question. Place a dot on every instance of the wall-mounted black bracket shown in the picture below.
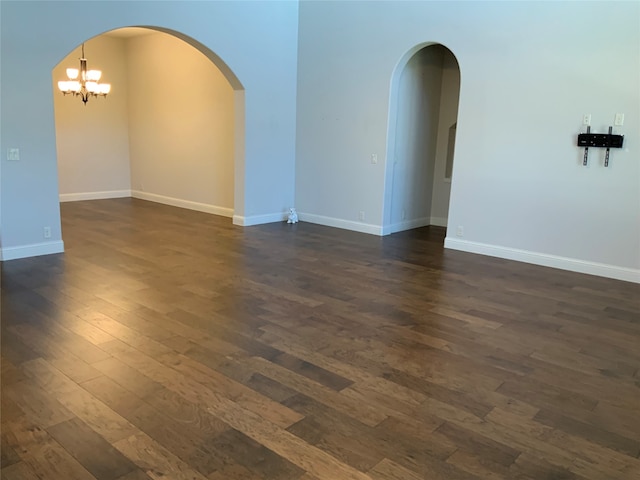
(604, 140)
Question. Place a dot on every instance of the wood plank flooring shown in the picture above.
(169, 344)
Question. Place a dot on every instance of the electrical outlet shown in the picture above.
(460, 231)
(361, 215)
(374, 158)
(586, 119)
(619, 120)
(47, 232)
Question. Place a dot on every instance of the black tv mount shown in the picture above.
(603, 140)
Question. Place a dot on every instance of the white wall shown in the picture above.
(256, 40)
(529, 71)
(181, 124)
(92, 140)
(448, 116)
(418, 112)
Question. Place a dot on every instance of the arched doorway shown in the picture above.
(425, 90)
(171, 130)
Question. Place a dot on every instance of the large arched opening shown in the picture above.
(171, 130)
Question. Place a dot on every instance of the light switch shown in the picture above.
(13, 154)
(619, 120)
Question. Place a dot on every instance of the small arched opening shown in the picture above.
(425, 90)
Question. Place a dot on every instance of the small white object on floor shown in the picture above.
(293, 216)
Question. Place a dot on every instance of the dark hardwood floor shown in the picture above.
(169, 344)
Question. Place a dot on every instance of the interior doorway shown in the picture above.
(423, 125)
(171, 130)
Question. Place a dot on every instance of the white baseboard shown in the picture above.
(33, 250)
(75, 197)
(415, 223)
(340, 223)
(406, 225)
(554, 261)
(177, 202)
(259, 219)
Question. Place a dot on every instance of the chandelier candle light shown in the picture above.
(86, 85)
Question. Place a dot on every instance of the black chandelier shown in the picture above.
(83, 83)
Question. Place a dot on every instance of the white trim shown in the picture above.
(340, 223)
(259, 219)
(554, 261)
(177, 202)
(75, 197)
(415, 223)
(406, 225)
(33, 250)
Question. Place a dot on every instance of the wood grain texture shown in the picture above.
(167, 343)
(95, 454)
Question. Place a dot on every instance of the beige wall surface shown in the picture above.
(180, 122)
(92, 140)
